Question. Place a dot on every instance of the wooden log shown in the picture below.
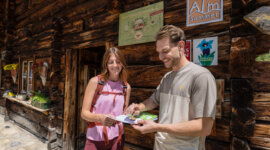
(135, 137)
(211, 144)
(70, 100)
(102, 20)
(262, 110)
(140, 94)
(262, 130)
(92, 34)
(242, 122)
(242, 57)
(30, 114)
(220, 97)
(226, 109)
(129, 146)
(239, 144)
(262, 44)
(146, 76)
(141, 54)
(220, 71)
(241, 93)
(261, 76)
(30, 126)
(260, 142)
(222, 131)
(261, 97)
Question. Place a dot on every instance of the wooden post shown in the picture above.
(242, 117)
(70, 100)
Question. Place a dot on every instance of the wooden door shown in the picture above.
(89, 66)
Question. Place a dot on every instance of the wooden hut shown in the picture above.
(71, 37)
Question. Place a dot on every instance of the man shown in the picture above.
(186, 97)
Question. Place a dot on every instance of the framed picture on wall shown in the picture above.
(140, 25)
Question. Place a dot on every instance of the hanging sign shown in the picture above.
(204, 11)
(140, 25)
(205, 51)
(260, 19)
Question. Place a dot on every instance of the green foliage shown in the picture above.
(206, 60)
(40, 97)
(263, 57)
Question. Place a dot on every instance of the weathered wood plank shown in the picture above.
(262, 44)
(30, 114)
(140, 94)
(30, 126)
(262, 110)
(242, 122)
(70, 100)
(238, 143)
(129, 146)
(260, 142)
(146, 76)
(141, 54)
(211, 144)
(261, 76)
(226, 108)
(261, 97)
(242, 57)
(222, 130)
(241, 92)
(135, 137)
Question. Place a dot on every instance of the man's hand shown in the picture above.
(146, 126)
(133, 109)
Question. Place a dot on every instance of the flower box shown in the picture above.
(40, 104)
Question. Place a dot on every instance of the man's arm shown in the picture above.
(196, 127)
(146, 105)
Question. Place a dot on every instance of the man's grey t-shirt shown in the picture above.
(184, 95)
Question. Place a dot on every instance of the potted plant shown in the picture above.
(39, 100)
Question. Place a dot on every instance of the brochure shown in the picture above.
(143, 116)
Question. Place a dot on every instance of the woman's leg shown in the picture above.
(95, 145)
(117, 145)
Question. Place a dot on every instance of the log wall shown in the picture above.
(53, 28)
(250, 80)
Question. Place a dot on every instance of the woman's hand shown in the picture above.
(107, 120)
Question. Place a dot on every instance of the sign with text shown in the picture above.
(187, 49)
(204, 11)
(140, 25)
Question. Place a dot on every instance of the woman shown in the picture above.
(106, 96)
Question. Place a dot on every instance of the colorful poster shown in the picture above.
(204, 11)
(140, 25)
(187, 49)
(205, 51)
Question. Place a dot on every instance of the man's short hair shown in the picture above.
(174, 33)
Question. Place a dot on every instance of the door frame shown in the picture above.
(71, 98)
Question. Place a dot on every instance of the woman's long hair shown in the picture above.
(105, 72)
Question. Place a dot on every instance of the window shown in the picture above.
(27, 76)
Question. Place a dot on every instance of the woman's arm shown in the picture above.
(87, 102)
(127, 97)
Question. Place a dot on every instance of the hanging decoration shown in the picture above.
(13, 70)
(43, 72)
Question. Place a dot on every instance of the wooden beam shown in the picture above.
(242, 57)
(146, 76)
(70, 100)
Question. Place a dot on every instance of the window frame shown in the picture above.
(29, 78)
